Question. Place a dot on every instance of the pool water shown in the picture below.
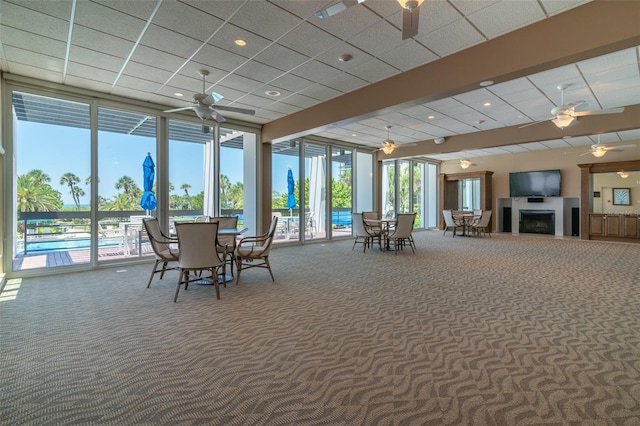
(63, 245)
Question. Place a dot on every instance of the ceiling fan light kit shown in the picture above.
(465, 164)
(563, 120)
(410, 4)
(623, 174)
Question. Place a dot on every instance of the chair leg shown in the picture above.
(182, 273)
(215, 282)
(153, 271)
(164, 269)
(266, 262)
(238, 268)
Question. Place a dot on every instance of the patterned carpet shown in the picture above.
(509, 330)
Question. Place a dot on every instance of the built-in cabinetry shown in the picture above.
(614, 226)
(607, 226)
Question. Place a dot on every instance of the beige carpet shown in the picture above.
(486, 331)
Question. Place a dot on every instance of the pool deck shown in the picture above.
(57, 258)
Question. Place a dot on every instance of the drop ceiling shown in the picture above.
(151, 50)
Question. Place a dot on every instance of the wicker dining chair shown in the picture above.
(164, 248)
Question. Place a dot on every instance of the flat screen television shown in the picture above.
(540, 183)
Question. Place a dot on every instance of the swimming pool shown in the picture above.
(65, 245)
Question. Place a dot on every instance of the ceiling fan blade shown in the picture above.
(178, 109)
(535, 122)
(619, 147)
(218, 117)
(336, 8)
(410, 22)
(234, 109)
(598, 112)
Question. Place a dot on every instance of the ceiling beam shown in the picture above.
(566, 38)
(629, 119)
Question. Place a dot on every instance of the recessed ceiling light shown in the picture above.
(431, 117)
(354, 134)
(345, 58)
(178, 94)
(486, 83)
(240, 42)
(487, 104)
(272, 93)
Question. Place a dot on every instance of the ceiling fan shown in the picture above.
(204, 104)
(388, 145)
(599, 150)
(410, 14)
(566, 114)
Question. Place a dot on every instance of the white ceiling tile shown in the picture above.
(281, 57)
(556, 6)
(254, 14)
(186, 20)
(17, 38)
(447, 40)
(379, 38)
(258, 72)
(320, 92)
(38, 60)
(556, 144)
(80, 71)
(468, 7)
(156, 58)
(308, 40)
(221, 59)
(291, 83)
(87, 83)
(300, 101)
(373, 70)
(513, 15)
(108, 21)
(139, 9)
(408, 56)
(44, 18)
(101, 42)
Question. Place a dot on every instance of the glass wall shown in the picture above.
(286, 192)
(341, 192)
(410, 186)
(418, 194)
(191, 168)
(125, 140)
(315, 182)
(364, 182)
(469, 193)
(52, 182)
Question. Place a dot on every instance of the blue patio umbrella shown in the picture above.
(148, 200)
(291, 198)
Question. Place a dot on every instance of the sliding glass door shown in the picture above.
(52, 184)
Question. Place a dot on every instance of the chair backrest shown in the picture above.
(404, 225)
(201, 219)
(370, 215)
(152, 226)
(266, 245)
(226, 222)
(359, 229)
(198, 245)
(485, 219)
(448, 217)
(477, 213)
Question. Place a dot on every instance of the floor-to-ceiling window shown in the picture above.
(341, 191)
(191, 169)
(51, 182)
(418, 199)
(364, 182)
(410, 186)
(315, 200)
(126, 140)
(286, 192)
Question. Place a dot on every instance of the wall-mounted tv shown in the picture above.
(540, 183)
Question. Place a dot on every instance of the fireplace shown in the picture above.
(538, 222)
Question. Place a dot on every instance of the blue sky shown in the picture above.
(57, 150)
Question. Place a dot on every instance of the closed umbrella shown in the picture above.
(148, 200)
(291, 198)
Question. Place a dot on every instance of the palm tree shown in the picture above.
(127, 184)
(72, 181)
(187, 198)
(34, 195)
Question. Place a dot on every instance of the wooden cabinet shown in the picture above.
(614, 227)
(630, 226)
